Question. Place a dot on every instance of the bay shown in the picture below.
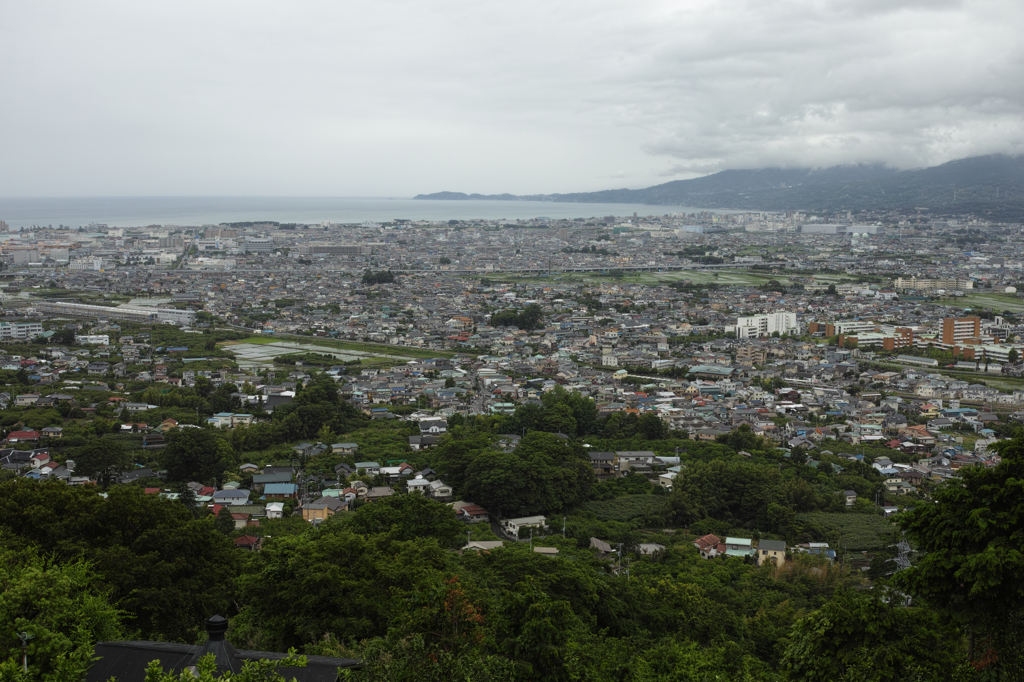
(76, 212)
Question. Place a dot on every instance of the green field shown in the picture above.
(997, 302)
(627, 508)
(854, 532)
(344, 345)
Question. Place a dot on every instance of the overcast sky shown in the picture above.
(341, 98)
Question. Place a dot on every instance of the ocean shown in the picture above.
(195, 211)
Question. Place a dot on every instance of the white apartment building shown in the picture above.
(932, 284)
(92, 339)
(764, 325)
(20, 330)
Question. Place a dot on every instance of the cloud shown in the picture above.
(389, 98)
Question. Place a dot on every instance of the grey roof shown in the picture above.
(772, 545)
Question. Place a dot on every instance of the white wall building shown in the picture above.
(764, 325)
(92, 339)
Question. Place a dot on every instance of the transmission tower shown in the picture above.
(902, 558)
(902, 561)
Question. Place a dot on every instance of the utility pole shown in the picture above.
(531, 538)
(24, 637)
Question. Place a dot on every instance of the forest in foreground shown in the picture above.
(387, 583)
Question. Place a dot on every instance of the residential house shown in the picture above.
(322, 509)
(253, 543)
(472, 513)
(709, 546)
(515, 526)
(259, 481)
(603, 464)
(280, 491)
(378, 492)
(771, 551)
(231, 497)
(739, 547)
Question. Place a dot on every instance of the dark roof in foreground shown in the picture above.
(127, 661)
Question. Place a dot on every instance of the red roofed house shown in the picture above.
(473, 513)
(709, 546)
(249, 542)
(23, 437)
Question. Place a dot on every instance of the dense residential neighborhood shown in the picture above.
(778, 392)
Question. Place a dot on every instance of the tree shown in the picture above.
(727, 490)
(224, 522)
(531, 317)
(187, 497)
(166, 569)
(192, 455)
(972, 551)
(534, 630)
(831, 290)
(652, 427)
(407, 517)
(871, 637)
(1012, 356)
(102, 459)
(65, 337)
(544, 473)
(298, 589)
(62, 606)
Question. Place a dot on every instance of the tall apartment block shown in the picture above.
(956, 329)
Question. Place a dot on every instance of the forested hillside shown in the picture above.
(388, 582)
(987, 185)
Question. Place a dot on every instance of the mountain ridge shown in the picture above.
(992, 185)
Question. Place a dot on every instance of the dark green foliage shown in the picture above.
(971, 544)
(544, 473)
(630, 483)
(301, 588)
(316, 405)
(63, 606)
(382, 277)
(408, 517)
(729, 490)
(872, 636)
(560, 411)
(224, 523)
(529, 318)
(166, 569)
(629, 507)
(101, 459)
(192, 455)
(844, 530)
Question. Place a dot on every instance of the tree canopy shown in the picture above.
(970, 541)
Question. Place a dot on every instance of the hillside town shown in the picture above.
(900, 334)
